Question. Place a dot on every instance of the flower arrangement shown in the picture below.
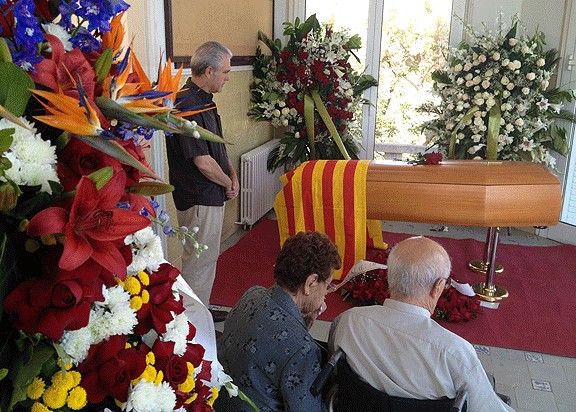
(92, 316)
(495, 99)
(309, 88)
(371, 288)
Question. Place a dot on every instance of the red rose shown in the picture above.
(57, 303)
(78, 159)
(109, 368)
(432, 158)
(162, 306)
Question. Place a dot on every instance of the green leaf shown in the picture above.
(461, 123)
(354, 43)
(26, 371)
(15, 85)
(559, 141)
(113, 110)
(249, 401)
(101, 176)
(112, 148)
(3, 373)
(494, 117)
(103, 64)
(6, 139)
(5, 55)
(182, 126)
(148, 188)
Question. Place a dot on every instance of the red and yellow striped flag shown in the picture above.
(329, 196)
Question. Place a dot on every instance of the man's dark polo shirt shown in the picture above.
(191, 188)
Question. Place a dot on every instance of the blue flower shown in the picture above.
(66, 12)
(85, 41)
(28, 32)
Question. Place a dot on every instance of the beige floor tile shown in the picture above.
(547, 372)
(535, 400)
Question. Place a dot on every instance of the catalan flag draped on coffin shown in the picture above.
(329, 196)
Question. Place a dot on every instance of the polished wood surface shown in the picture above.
(464, 192)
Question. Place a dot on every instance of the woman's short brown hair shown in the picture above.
(303, 254)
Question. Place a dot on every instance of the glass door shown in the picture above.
(403, 43)
(565, 231)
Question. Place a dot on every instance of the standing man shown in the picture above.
(200, 171)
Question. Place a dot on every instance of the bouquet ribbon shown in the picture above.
(314, 101)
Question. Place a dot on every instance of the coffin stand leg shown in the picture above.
(482, 265)
(487, 290)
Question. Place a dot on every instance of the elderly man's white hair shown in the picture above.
(414, 264)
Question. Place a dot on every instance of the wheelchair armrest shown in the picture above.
(459, 403)
(325, 373)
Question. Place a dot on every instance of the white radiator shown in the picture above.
(258, 187)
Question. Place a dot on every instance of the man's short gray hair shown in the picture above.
(415, 264)
(209, 54)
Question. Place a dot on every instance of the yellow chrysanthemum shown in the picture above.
(159, 378)
(54, 397)
(144, 278)
(63, 380)
(132, 285)
(145, 296)
(136, 302)
(77, 398)
(149, 374)
(76, 376)
(150, 358)
(63, 365)
(36, 388)
(191, 398)
(39, 407)
(188, 385)
(213, 397)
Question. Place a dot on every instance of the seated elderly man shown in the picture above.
(266, 346)
(397, 348)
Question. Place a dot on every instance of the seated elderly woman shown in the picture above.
(266, 346)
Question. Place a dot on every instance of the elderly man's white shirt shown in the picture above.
(399, 349)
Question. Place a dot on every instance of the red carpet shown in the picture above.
(539, 315)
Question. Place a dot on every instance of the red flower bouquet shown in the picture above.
(310, 88)
(372, 289)
(92, 316)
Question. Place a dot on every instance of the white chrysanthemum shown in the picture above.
(113, 316)
(61, 33)
(177, 332)
(76, 344)
(147, 253)
(116, 315)
(33, 159)
(148, 397)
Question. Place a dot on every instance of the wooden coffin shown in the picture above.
(464, 192)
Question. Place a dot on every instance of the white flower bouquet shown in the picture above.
(495, 100)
